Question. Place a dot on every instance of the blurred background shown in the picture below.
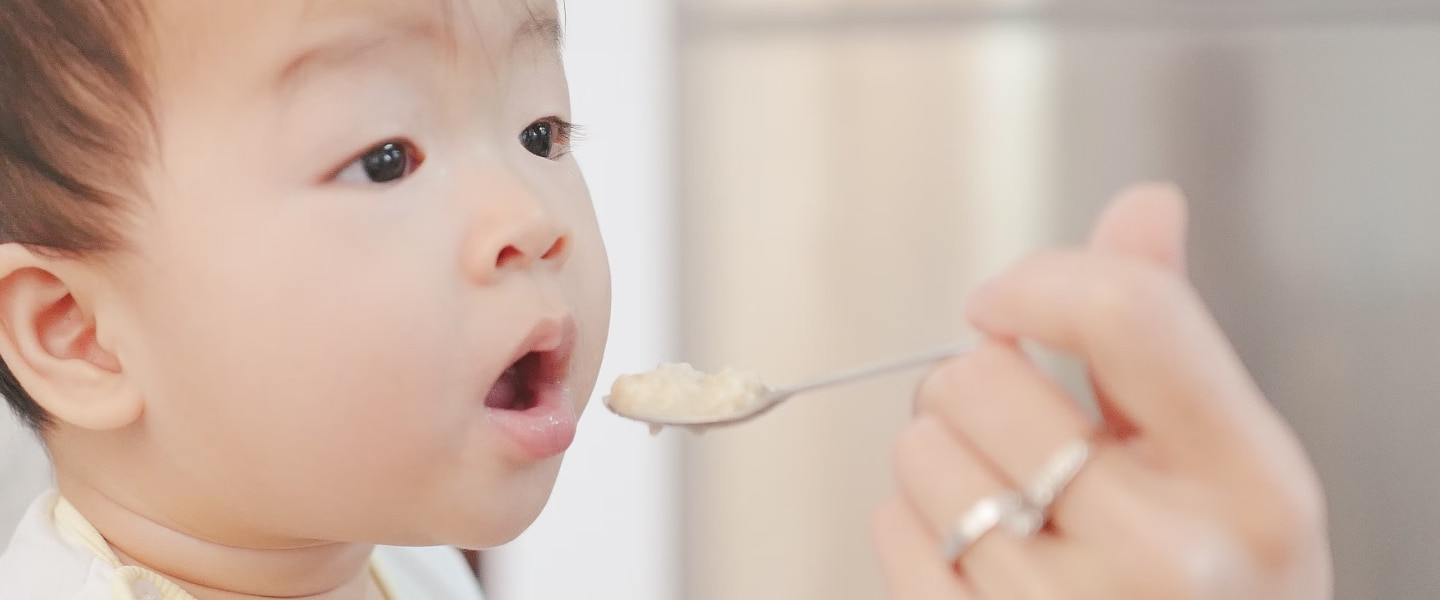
(794, 186)
(852, 168)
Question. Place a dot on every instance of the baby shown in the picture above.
(289, 288)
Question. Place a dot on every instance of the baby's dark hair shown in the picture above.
(74, 123)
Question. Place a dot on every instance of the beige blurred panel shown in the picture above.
(841, 196)
(770, 8)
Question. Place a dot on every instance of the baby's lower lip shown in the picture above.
(544, 430)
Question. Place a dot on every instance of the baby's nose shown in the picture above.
(514, 233)
(539, 240)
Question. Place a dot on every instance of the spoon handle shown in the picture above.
(838, 378)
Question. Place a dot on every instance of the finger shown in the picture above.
(996, 399)
(1147, 221)
(1154, 351)
(943, 480)
(909, 560)
(1000, 402)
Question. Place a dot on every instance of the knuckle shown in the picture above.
(1126, 292)
(914, 448)
(1290, 532)
(914, 440)
(987, 362)
(1156, 555)
(885, 521)
(947, 386)
(938, 386)
(1157, 570)
(1204, 558)
(906, 450)
(1194, 554)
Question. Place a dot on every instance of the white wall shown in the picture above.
(611, 531)
(24, 471)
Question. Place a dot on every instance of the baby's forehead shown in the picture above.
(481, 15)
(201, 42)
(190, 25)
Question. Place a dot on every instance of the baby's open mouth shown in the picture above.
(518, 387)
(530, 400)
(539, 371)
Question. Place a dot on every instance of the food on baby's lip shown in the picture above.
(678, 393)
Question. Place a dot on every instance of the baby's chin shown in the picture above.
(494, 519)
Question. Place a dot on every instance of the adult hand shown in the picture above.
(1194, 487)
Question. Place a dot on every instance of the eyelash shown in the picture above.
(564, 134)
(413, 156)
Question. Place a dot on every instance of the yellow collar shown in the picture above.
(131, 582)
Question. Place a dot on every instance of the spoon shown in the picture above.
(754, 398)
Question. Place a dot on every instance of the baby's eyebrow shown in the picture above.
(545, 29)
(355, 45)
(350, 47)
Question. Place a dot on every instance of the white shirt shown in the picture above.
(45, 561)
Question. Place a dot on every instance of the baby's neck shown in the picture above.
(215, 571)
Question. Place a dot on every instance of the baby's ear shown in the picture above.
(48, 340)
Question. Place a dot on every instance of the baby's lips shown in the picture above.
(543, 431)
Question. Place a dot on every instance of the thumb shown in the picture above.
(1147, 221)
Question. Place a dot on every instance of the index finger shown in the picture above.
(1153, 349)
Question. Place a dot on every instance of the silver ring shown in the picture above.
(1057, 474)
(1009, 509)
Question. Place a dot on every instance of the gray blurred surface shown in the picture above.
(832, 150)
(1311, 158)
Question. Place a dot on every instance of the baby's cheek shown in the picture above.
(588, 285)
(305, 395)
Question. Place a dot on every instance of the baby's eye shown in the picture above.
(547, 138)
(384, 163)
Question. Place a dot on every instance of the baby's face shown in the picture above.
(367, 296)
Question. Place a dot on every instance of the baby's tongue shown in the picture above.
(506, 391)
